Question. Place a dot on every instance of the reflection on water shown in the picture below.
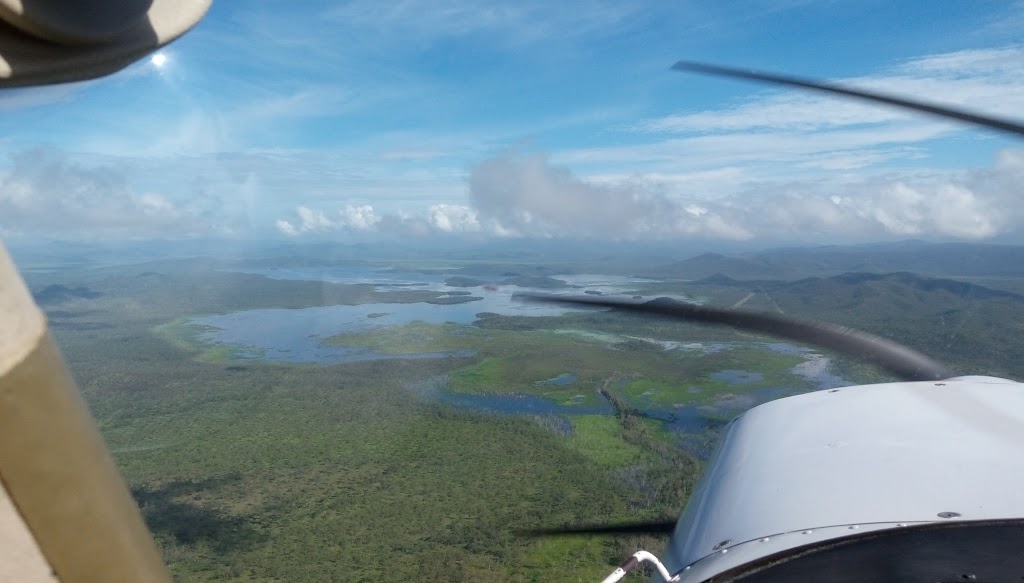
(737, 377)
(678, 419)
(683, 419)
(730, 404)
(516, 404)
(388, 278)
(605, 284)
(817, 370)
(563, 379)
(295, 335)
(384, 278)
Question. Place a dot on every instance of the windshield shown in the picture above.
(280, 258)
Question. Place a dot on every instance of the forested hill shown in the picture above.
(973, 328)
(859, 285)
(945, 259)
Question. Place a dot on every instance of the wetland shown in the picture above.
(280, 423)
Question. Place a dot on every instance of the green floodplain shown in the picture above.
(258, 471)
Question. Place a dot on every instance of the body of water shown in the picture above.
(296, 335)
(516, 404)
(685, 419)
(388, 279)
(383, 278)
(738, 377)
(565, 378)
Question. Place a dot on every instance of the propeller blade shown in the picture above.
(895, 358)
(1003, 125)
(660, 527)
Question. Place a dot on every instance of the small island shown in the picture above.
(449, 300)
(537, 281)
(461, 281)
(534, 281)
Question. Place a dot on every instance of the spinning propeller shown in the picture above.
(902, 362)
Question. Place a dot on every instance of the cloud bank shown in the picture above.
(526, 195)
(355, 218)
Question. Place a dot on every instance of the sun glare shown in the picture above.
(158, 60)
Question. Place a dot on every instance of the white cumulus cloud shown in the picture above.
(525, 194)
(359, 218)
(286, 228)
(353, 218)
(453, 218)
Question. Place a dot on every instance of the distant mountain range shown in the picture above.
(59, 294)
(973, 328)
(943, 259)
(836, 283)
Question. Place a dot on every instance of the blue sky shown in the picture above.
(530, 119)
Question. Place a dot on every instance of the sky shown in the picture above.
(313, 121)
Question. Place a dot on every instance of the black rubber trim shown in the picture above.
(981, 551)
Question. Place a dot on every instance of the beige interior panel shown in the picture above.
(55, 469)
(20, 557)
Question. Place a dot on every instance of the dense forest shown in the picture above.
(250, 470)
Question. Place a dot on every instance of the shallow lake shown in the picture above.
(384, 278)
(295, 335)
(565, 378)
(388, 279)
(738, 377)
(679, 419)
